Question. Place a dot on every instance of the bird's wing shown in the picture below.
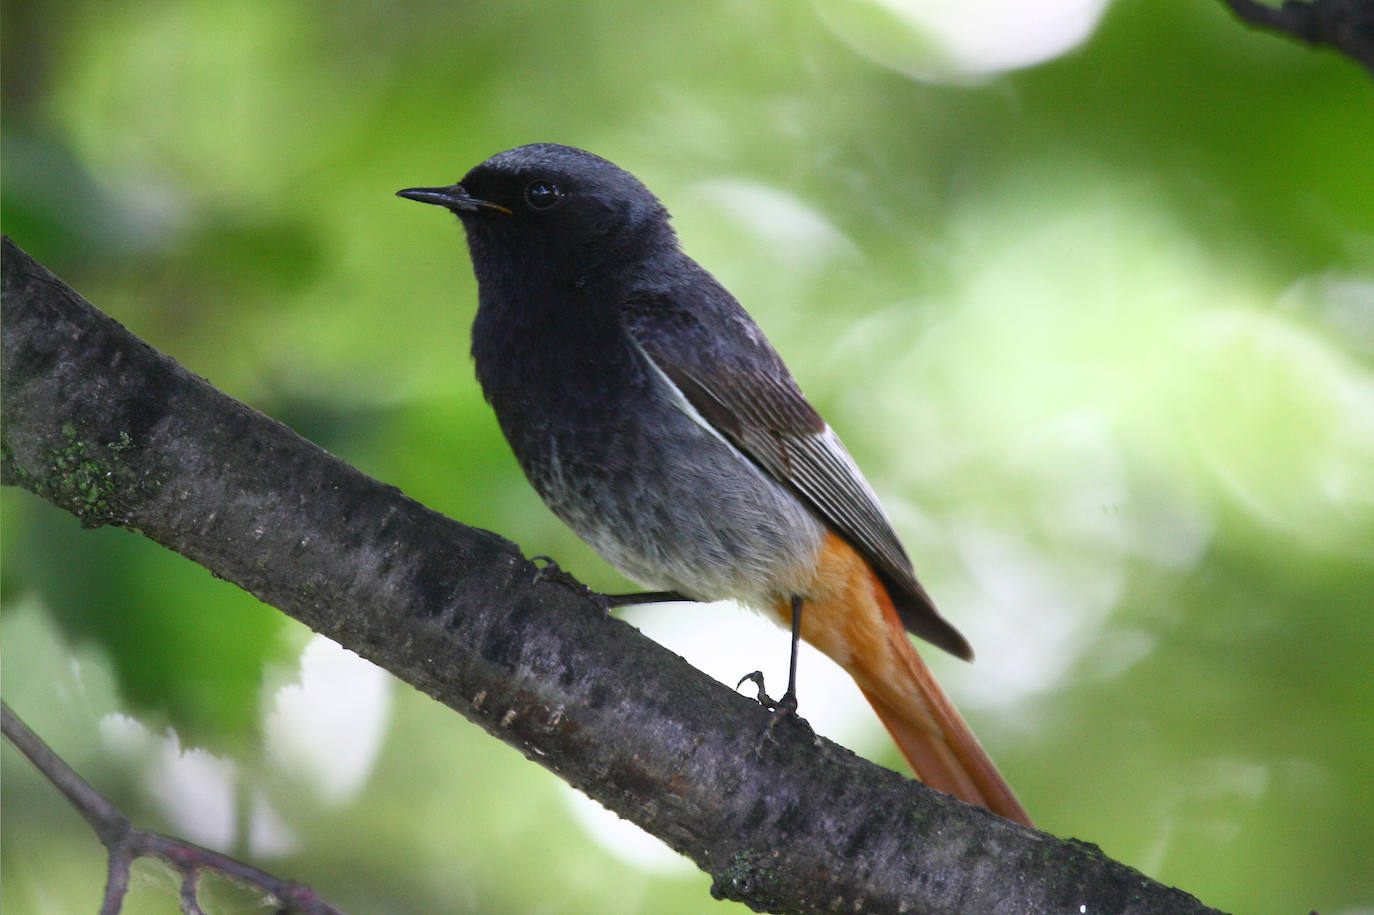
(724, 367)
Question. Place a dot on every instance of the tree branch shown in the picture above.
(107, 428)
(126, 844)
(1347, 25)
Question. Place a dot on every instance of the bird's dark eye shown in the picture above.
(541, 194)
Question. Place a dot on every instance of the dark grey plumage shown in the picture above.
(644, 404)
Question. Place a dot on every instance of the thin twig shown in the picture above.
(126, 844)
(1347, 25)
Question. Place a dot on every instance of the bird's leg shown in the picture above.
(787, 705)
(644, 597)
(550, 571)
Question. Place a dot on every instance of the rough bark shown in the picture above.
(104, 426)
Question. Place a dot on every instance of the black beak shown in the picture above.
(455, 197)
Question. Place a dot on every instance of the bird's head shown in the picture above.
(555, 208)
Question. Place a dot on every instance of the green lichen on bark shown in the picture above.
(82, 476)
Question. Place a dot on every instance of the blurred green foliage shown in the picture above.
(1100, 331)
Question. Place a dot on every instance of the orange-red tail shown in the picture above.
(850, 617)
(953, 762)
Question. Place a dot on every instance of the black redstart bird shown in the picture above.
(653, 416)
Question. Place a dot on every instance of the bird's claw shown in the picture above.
(757, 679)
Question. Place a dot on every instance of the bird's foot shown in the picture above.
(550, 571)
(783, 709)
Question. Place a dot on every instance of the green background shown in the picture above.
(1100, 331)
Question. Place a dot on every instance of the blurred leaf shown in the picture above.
(185, 647)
